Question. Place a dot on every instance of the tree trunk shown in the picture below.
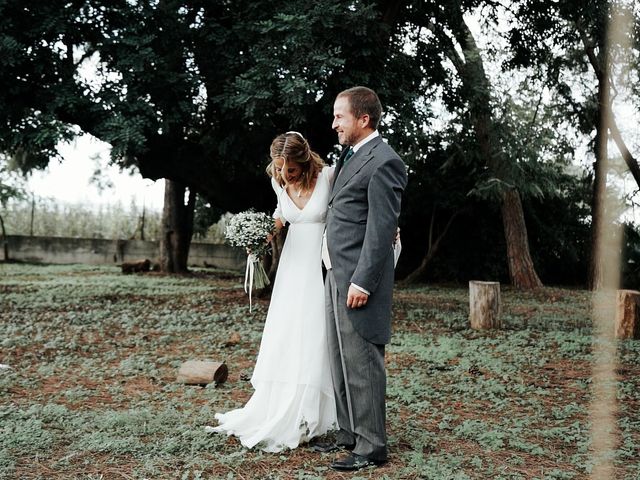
(142, 223)
(177, 227)
(33, 213)
(5, 242)
(521, 270)
(600, 166)
(471, 69)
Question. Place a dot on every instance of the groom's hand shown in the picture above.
(356, 298)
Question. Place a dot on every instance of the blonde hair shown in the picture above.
(293, 147)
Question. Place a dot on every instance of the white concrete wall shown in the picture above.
(98, 251)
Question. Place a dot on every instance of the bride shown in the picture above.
(293, 394)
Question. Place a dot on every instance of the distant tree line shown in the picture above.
(38, 216)
(488, 102)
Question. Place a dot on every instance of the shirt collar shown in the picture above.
(371, 136)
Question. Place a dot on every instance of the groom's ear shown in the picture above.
(365, 121)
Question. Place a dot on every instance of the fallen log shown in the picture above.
(196, 372)
(137, 266)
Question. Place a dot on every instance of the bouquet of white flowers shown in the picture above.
(249, 230)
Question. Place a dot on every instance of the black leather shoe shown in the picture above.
(355, 462)
(326, 447)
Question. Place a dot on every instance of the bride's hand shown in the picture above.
(278, 225)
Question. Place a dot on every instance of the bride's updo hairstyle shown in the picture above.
(293, 147)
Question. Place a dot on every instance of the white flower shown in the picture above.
(249, 230)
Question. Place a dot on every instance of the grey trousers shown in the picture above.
(359, 380)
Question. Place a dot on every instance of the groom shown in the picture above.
(362, 218)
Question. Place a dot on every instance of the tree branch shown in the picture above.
(433, 247)
(631, 162)
(450, 50)
(589, 49)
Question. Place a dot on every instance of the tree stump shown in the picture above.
(196, 372)
(627, 314)
(484, 305)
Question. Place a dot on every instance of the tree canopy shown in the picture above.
(189, 91)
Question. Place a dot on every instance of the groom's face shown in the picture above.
(345, 123)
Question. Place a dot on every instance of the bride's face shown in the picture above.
(291, 172)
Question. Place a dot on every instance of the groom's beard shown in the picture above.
(350, 141)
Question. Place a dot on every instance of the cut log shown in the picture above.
(627, 314)
(134, 267)
(196, 372)
(484, 305)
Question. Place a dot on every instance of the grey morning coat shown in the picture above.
(362, 218)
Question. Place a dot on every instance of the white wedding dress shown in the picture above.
(293, 399)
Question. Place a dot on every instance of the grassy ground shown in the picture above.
(91, 392)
